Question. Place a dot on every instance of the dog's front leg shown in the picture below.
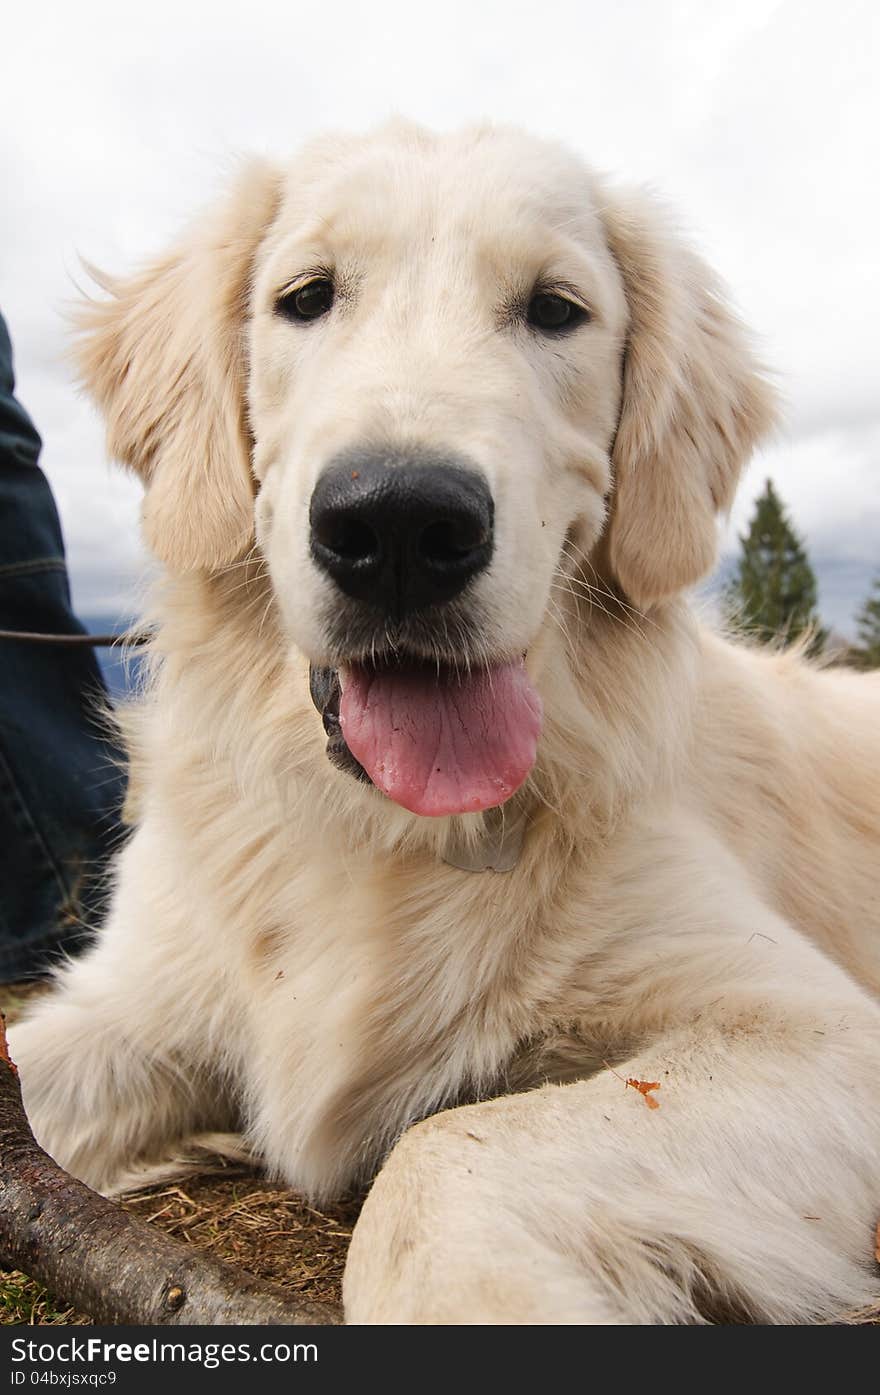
(751, 1191)
(115, 1062)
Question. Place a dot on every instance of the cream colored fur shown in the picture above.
(697, 898)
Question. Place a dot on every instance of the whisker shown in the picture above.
(589, 594)
(556, 616)
(602, 585)
(269, 606)
(249, 557)
(629, 619)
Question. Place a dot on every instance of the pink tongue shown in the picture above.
(442, 745)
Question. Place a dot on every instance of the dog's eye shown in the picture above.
(553, 313)
(308, 302)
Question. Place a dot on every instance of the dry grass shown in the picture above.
(250, 1222)
(22, 1301)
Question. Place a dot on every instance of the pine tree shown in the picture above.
(866, 653)
(773, 594)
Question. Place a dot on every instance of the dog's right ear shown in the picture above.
(163, 358)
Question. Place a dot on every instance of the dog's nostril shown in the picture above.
(449, 541)
(349, 538)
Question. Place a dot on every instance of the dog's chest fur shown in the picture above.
(389, 987)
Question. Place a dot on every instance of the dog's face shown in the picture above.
(436, 346)
(414, 368)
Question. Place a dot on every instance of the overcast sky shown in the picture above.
(760, 120)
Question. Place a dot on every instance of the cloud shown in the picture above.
(829, 480)
(756, 119)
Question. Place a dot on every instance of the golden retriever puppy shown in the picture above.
(452, 819)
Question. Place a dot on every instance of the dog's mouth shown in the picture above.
(436, 741)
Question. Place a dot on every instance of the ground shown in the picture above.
(237, 1216)
(233, 1214)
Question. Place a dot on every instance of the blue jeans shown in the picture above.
(61, 780)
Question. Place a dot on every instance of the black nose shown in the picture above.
(401, 530)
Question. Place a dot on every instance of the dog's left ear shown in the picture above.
(694, 405)
(163, 358)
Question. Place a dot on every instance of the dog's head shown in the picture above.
(428, 376)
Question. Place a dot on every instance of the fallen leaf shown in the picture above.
(644, 1087)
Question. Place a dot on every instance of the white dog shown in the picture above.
(444, 424)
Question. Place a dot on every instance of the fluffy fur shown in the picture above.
(697, 897)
